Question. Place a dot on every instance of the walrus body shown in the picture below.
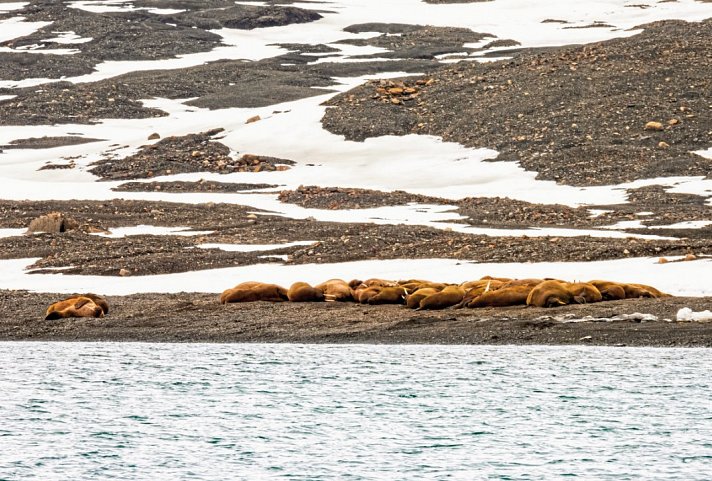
(413, 300)
(389, 295)
(523, 282)
(503, 297)
(584, 292)
(254, 291)
(336, 290)
(550, 294)
(78, 306)
(363, 294)
(610, 291)
(98, 300)
(475, 289)
(655, 292)
(304, 292)
(449, 296)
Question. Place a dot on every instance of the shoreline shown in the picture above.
(194, 317)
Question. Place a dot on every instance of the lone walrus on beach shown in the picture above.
(77, 306)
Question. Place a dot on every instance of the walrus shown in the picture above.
(304, 292)
(610, 291)
(449, 296)
(413, 300)
(336, 290)
(654, 291)
(78, 306)
(254, 291)
(414, 286)
(363, 294)
(503, 297)
(524, 282)
(490, 278)
(550, 294)
(389, 295)
(98, 300)
(584, 292)
(476, 289)
(378, 283)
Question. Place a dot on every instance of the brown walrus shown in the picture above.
(77, 306)
(413, 300)
(449, 296)
(550, 294)
(655, 292)
(584, 292)
(524, 282)
(254, 291)
(389, 295)
(363, 294)
(503, 297)
(374, 282)
(304, 292)
(336, 290)
(610, 291)
(98, 300)
(476, 289)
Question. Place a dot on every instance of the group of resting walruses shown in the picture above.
(414, 293)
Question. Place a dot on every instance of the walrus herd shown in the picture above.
(415, 294)
(422, 294)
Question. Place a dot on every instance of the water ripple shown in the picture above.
(87, 411)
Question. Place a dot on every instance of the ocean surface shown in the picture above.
(94, 411)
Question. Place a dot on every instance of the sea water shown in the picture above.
(125, 411)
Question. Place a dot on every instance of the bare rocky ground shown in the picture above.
(604, 113)
(570, 114)
(187, 317)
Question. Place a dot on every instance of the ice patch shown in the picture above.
(11, 232)
(119, 232)
(254, 247)
(688, 315)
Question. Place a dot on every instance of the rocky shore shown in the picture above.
(191, 317)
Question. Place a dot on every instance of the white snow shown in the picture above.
(672, 278)
(17, 27)
(142, 229)
(254, 247)
(68, 37)
(688, 315)
(11, 232)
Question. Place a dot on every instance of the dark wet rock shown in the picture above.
(414, 41)
(47, 142)
(314, 197)
(575, 114)
(183, 154)
(190, 187)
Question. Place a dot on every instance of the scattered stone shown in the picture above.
(654, 126)
(154, 136)
(663, 145)
(124, 272)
